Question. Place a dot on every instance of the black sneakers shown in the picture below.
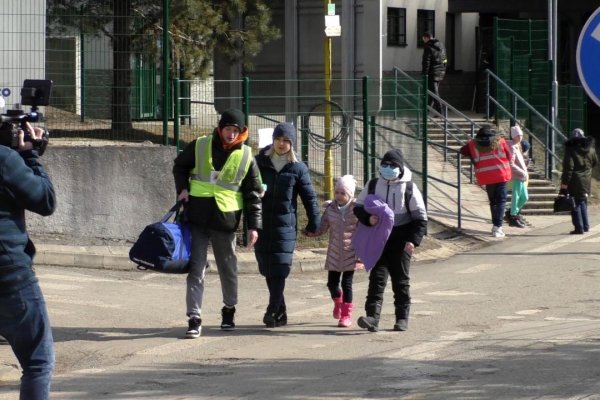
(515, 221)
(274, 319)
(227, 322)
(194, 328)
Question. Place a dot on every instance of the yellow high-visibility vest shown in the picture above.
(223, 185)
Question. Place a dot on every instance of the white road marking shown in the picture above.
(454, 293)
(528, 312)
(564, 242)
(478, 268)
(427, 350)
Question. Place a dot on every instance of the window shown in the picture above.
(396, 26)
(425, 23)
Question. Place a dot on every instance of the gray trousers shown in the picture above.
(223, 246)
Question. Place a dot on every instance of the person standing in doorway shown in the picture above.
(217, 178)
(434, 66)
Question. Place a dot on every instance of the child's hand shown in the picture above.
(373, 220)
(307, 233)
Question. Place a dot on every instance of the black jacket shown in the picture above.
(580, 158)
(24, 185)
(204, 210)
(434, 60)
(276, 242)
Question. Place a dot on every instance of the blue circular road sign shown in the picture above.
(588, 57)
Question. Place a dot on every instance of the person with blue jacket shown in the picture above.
(285, 179)
(24, 322)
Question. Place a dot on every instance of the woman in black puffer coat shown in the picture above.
(576, 179)
(285, 178)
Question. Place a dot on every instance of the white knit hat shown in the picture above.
(347, 183)
(515, 131)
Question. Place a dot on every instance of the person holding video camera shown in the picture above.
(24, 322)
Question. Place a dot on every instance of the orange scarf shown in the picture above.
(242, 137)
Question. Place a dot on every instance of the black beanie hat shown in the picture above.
(233, 117)
(394, 156)
(484, 135)
(287, 131)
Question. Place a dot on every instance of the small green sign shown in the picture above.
(331, 9)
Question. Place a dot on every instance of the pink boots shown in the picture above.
(342, 311)
(337, 307)
(346, 317)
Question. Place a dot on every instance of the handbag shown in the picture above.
(564, 203)
(164, 246)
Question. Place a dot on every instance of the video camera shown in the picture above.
(34, 93)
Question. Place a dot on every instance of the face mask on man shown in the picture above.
(389, 172)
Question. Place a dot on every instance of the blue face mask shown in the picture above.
(388, 172)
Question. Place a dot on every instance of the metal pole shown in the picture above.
(552, 56)
(82, 72)
(366, 132)
(165, 72)
(328, 157)
(425, 137)
(176, 112)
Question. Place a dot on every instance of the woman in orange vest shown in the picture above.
(491, 155)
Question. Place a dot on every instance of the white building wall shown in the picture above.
(22, 45)
(408, 58)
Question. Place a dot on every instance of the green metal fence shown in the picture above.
(355, 145)
(521, 60)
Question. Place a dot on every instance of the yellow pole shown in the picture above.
(328, 160)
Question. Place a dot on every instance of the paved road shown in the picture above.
(518, 319)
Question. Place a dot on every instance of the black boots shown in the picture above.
(402, 318)
(275, 316)
(371, 321)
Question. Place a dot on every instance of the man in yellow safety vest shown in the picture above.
(217, 178)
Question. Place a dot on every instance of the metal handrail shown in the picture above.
(550, 155)
(445, 121)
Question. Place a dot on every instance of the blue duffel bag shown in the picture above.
(164, 246)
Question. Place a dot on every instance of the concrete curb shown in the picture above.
(117, 258)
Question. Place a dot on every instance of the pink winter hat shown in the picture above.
(347, 183)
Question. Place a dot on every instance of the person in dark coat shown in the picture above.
(24, 321)
(434, 65)
(285, 179)
(576, 180)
